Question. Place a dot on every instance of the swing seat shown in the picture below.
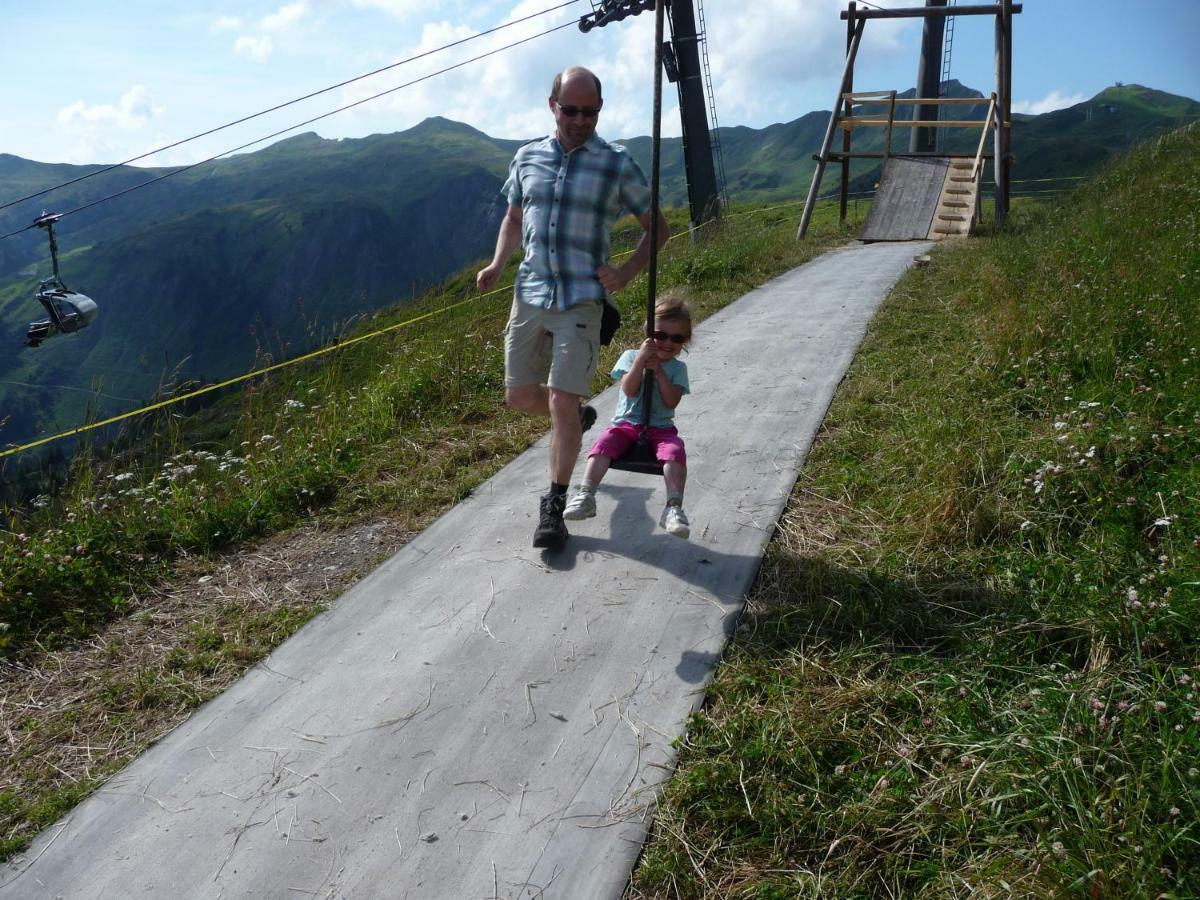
(639, 458)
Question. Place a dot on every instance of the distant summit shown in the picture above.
(1148, 99)
(440, 125)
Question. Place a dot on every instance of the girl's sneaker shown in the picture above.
(675, 521)
(581, 506)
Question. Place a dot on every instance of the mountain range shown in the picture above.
(266, 254)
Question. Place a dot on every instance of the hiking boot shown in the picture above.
(582, 505)
(587, 418)
(675, 521)
(551, 532)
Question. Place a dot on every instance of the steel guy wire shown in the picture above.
(275, 134)
(283, 105)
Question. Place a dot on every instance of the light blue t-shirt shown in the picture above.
(629, 409)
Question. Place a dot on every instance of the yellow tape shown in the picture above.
(215, 387)
(289, 362)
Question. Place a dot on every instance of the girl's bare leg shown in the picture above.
(675, 475)
(582, 504)
(597, 468)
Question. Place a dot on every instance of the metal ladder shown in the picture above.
(713, 137)
(947, 49)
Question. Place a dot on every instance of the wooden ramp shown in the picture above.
(906, 200)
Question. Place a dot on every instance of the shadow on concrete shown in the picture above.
(694, 667)
(634, 533)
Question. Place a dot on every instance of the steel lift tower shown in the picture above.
(682, 62)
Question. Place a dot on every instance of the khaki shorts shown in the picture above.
(554, 347)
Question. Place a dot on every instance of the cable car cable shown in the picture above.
(280, 106)
(282, 131)
(13, 450)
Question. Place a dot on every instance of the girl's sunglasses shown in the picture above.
(665, 336)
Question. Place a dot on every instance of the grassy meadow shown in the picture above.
(399, 426)
(968, 667)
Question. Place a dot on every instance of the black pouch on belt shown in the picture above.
(610, 321)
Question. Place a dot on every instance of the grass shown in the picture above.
(100, 654)
(968, 665)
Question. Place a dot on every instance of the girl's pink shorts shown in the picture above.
(616, 439)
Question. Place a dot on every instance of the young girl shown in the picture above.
(657, 359)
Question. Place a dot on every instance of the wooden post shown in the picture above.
(1006, 123)
(1000, 156)
(929, 73)
(823, 157)
(887, 141)
(848, 110)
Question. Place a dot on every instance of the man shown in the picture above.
(564, 194)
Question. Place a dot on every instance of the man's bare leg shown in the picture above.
(529, 398)
(566, 429)
(566, 435)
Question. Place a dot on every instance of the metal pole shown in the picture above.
(655, 163)
(823, 157)
(53, 249)
(655, 160)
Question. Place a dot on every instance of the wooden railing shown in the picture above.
(875, 98)
(977, 169)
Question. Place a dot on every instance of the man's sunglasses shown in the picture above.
(673, 338)
(588, 112)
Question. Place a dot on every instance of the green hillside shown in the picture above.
(266, 254)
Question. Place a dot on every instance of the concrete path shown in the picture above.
(477, 719)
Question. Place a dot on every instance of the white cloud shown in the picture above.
(503, 95)
(773, 66)
(259, 46)
(91, 133)
(285, 16)
(254, 48)
(398, 8)
(133, 111)
(1052, 101)
(761, 62)
(227, 23)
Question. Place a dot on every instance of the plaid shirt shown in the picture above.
(569, 203)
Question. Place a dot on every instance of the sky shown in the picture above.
(88, 82)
